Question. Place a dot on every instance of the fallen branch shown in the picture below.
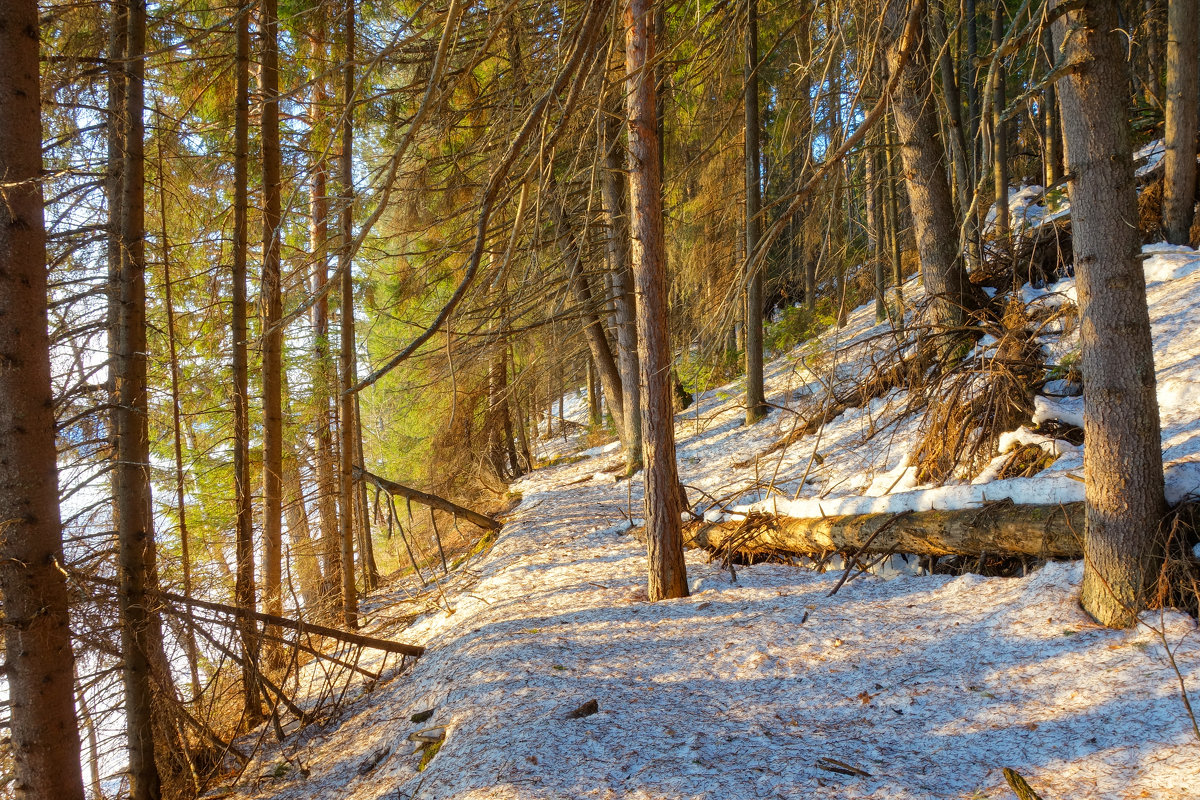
(1000, 528)
(431, 500)
(272, 619)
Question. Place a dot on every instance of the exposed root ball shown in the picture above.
(986, 396)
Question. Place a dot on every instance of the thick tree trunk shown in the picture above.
(347, 357)
(1122, 463)
(325, 374)
(664, 540)
(272, 311)
(1179, 162)
(141, 636)
(956, 136)
(612, 196)
(1005, 529)
(756, 407)
(39, 664)
(244, 588)
(928, 192)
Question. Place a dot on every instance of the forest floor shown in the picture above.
(901, 685)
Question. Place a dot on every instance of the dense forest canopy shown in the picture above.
(320, 277)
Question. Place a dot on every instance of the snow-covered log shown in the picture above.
(1000, 528)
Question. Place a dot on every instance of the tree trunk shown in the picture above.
(956, 136)
(272, 311)
(593, 330)
(973, 112)
(612, 195)
(325, 374)
(1052, 133)
(756, 407)
(664, 540)
(1038, 531)
(1179, 162)
(141, 637)
(1152, 31)
(244, 589)
(346, 358)
(303, 548)
(366, 547)
(39, 664)
(1122, 463)
(180, 489)
(595, 412)
(928, 192)
(875, 233)
(892, 209)
(999, 131)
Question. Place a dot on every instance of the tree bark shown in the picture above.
(612, 194)
(958, 141)
(892, 211)
(1052, 131)
(325, 377)
(347, 358)
(272, 311)
(664, 540)
(1000, 131)
(1122, 463)
(593, 329)
(366, 547)
(244, 588)
(875, 232)
(141, 636)
(1004, 529)
(756, 407)
(923, 157)
(1179, 161)
(39, 664)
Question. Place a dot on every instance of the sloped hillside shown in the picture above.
(552, 677)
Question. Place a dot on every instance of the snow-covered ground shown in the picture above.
(763, 686)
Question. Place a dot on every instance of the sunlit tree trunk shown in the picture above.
(756, 407)
(346, 359)
(664, 538)
(921, 151)
(325, 377)
(1122, 463)
(999, 129)
(141, 636)
(244, 588)
(39, 664)
(272, 311)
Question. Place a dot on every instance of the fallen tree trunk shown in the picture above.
(999, 528)
(431, 500)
